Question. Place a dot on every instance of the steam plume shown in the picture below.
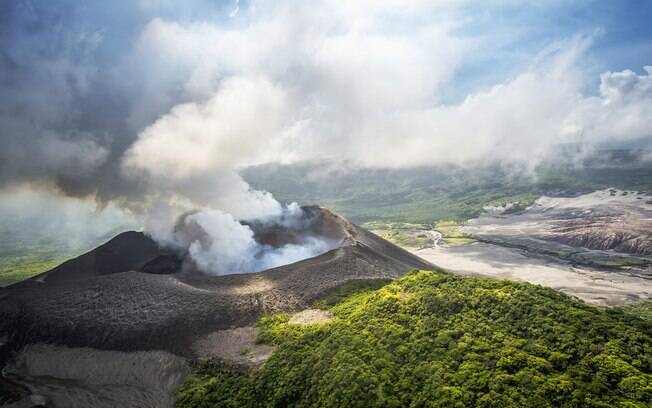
(216, 243)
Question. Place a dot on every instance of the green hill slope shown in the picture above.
(438, 340)
(444, 192)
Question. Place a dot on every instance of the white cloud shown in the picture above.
(622, 111)
(236, 9)
(300, 81)
(39, 215)
(195, 149)
(363, 82)
(228, 129)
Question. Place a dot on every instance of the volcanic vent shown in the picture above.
(213, 242)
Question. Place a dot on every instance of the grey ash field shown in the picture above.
(129, 295)
(593, 246)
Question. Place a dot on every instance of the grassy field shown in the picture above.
(14, 270)
(452, 233)
(19, 261)
(408, 235)
(439, 340)
(22, 257)
(24, 254)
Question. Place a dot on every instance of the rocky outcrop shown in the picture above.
(596, 238)
(618, 233)
(606, 228)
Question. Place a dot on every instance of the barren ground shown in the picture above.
(595, 246)
(235, 346)
(311, 316)
(591, 285)
(85, 377)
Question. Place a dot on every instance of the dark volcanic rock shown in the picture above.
(100, 300)
(127, 251)
(163, 265)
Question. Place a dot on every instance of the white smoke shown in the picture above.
(217, 243)
(44, 217)
(192, 153)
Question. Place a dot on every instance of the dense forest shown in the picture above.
(434, 339)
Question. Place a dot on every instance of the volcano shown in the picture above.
(131, 295)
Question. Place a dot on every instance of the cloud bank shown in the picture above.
(347, 88)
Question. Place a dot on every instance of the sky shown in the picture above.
(133, 102)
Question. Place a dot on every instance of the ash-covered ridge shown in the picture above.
(131, 294)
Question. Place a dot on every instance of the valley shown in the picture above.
(539, 244)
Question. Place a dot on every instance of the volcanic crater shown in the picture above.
(132, 295)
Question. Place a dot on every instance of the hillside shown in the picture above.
(444, 192)
(435, 339)
(128, 300)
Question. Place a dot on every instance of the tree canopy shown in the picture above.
(433, 339)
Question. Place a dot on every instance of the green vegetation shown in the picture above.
(621, 262)
(438, 340)
(405, 234)
(16, 270)
(410, 235)
(426, 195)
(379, 225)
(607, 260)
(353, 287)
(20, 261)
(26, 253)
(642, 310)
(452, 233)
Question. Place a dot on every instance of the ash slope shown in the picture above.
(104, 300)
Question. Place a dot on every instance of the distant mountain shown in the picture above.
(453, 192)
